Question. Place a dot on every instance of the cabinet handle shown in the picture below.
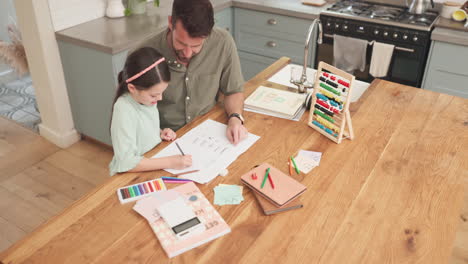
(227, 29)
(272, 21)
(271, 44)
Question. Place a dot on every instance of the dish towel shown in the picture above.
(349, 54)
(381, 56)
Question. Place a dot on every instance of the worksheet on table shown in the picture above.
(210, 149)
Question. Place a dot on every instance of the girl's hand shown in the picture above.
(180, 162)
(168, 134)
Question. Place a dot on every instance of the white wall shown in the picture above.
(68, 13)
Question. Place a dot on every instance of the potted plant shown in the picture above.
(137, 7)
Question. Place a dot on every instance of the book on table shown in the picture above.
(275, 102)
(269, 208)
(286, 189)
(215, 226)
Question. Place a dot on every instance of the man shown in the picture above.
(203, 61)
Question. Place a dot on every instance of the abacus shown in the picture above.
(329, 111)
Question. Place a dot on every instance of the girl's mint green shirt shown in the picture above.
(134, 130)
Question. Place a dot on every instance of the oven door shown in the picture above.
(406, 67)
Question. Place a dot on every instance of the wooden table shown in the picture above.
(392, 195)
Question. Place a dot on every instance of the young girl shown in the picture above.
(135, 118)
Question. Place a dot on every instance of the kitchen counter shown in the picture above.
(443, 22)
(113, 35)
(393, 194)
(450, 36)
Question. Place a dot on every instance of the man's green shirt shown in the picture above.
(193, 90)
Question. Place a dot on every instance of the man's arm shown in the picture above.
(234, 103)
(236, 131)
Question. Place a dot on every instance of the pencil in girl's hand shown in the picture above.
(179, 149)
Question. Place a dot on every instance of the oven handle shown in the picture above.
(396, 47)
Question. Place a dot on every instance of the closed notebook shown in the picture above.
(283, 103)
(268, 208)
(286, 188)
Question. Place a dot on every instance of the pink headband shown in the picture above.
(144, 71)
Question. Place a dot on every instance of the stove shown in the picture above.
(394, 25)
(382, 14)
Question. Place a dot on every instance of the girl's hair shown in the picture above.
(136, 62)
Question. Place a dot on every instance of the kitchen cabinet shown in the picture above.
(447, 69)
(263, 37)
(91, 78)
(224, 19)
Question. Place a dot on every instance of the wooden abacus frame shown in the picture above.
(324, 119)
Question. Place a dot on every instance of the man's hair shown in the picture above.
(196, 16)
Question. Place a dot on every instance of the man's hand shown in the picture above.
(236, 132)
(168, 134)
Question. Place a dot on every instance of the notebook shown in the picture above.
(268, 208)
(275, 102)
(214, 223)
(286, 188)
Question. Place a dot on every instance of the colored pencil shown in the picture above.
(290, 167)
(172, 181)
(175, 179)
(295, 166)
(265, 177)
(271, 181)
(187, 172)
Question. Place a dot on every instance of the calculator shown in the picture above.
(180, 218)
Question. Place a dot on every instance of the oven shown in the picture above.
(409, 56)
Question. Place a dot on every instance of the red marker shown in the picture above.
(271, 181)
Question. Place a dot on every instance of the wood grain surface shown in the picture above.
(391, 195)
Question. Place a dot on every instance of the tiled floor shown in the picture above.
(17, 100)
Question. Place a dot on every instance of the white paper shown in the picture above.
(307, 160)
(210, 149)
(283, 77)
(147, 207)
(316, 156)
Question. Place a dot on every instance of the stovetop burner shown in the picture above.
(383, 12)
(393, 14)
(424, 19)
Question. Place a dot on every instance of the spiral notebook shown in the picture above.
(286, 188)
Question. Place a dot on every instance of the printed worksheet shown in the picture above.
(210, 149)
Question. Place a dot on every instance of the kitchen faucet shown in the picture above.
(302, 84)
